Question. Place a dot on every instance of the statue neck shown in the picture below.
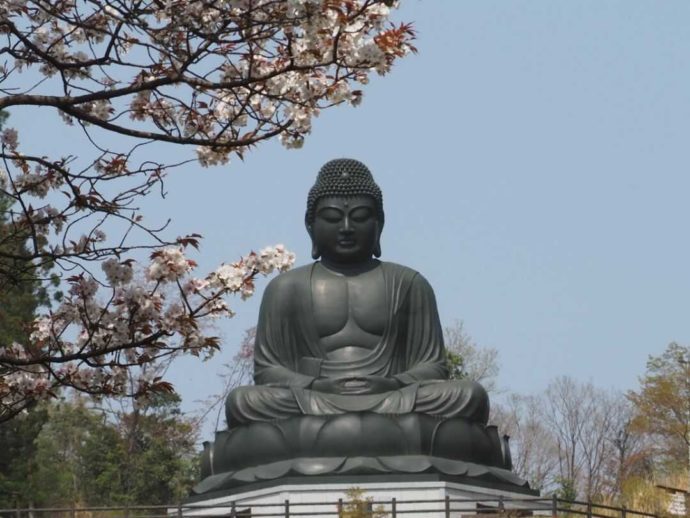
(350, 268)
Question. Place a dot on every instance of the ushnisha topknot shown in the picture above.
(344, 177)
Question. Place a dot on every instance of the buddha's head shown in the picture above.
(345, 213)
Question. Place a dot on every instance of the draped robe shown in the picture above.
(289, 357)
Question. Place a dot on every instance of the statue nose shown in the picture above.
(347, 225)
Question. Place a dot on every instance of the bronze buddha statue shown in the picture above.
(350, 333)
(350, 363)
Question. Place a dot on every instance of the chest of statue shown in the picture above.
(350, 311)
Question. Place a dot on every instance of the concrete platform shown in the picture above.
(424, 496)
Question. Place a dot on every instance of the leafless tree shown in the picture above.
(239, 371)
(533, 447)
(469, 360)
(596, 445)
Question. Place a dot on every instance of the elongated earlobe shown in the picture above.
(377, 245)
(315, 252)
(377, 249)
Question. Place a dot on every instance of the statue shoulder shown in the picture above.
(287, 282)
(398, 268)
(403, 271)
(407, 278)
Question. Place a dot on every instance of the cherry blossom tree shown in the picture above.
(218, 76)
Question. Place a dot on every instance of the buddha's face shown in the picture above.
(345, 229)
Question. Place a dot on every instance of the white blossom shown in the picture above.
(84, 287)
(117, 273)
(209, 156)
(371, 54)
(14, 351)
(9, 138)
(33, 183)
(168, 265)
(101, 109)
(231, 276)
(42, 329)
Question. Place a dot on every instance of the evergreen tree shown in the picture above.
(63, 474)
(20, 292)
(18, 458)
(160, 459)
(83, 456)
(20, 295)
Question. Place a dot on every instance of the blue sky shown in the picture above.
(534, 162)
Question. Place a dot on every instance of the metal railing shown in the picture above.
(392, 508)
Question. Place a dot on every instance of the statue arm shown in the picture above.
(277, 352)
(425, 357)
(422, 372)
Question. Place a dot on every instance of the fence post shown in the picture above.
(554, 506)
(287, 508)
(447, 506)
(589, 509)
(501, 505)
(394, 508)
(624, 511)
(73, 510)
(340, 507)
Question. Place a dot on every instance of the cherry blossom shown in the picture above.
(254, 69)
(127, 323)
(216, 77)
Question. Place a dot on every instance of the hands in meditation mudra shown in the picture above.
(349, 361)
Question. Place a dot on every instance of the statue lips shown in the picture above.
(347, 242)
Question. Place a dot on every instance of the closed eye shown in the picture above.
(330, 214)
(361, 214)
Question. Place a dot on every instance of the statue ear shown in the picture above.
(315, 252)
(377, 245)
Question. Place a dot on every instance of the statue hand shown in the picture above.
(355, 385)
(378, 384)
(328, 385)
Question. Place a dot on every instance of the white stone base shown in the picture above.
(413, 499)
